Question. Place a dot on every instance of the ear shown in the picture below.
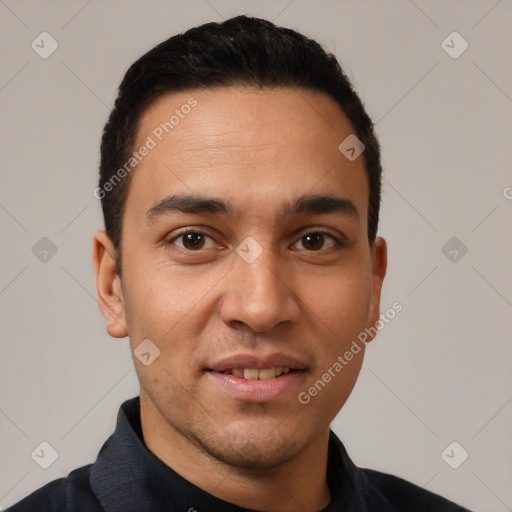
(379, 264)
(108, 285)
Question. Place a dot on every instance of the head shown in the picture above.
(238, 235)
(240, 51)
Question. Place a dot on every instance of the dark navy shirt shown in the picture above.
(128, 477)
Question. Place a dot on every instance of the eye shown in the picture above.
(316, 240)
(192, 241)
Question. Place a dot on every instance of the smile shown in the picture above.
(254, 373)
(258, 386)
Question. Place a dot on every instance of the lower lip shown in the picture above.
(256, 390)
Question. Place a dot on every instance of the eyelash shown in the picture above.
(324, 233)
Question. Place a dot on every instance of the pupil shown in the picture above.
(315, 240)
(193, 239)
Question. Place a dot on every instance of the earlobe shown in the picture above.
(108, 285)
(379, 266)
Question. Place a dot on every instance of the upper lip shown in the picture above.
(258, 362)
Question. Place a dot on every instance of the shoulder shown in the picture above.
(401, 496)
(68, 494)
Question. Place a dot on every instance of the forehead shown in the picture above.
(209, 119)
(240, 142)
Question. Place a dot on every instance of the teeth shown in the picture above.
(265, 374)
(251, 373)
(254, 373)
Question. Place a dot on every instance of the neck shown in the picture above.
(298, 484)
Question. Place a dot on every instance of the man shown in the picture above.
(240, 186)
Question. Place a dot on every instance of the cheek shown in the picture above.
(159, 294)
(341, 301)
(168, 305)
(343, 306)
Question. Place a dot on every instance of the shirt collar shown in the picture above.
(127, 476)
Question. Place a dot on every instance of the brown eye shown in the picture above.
(192, 241)
(313, 241)
(318, 240)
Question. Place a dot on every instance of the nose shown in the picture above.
(259, 294)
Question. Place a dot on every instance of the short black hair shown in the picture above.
(239, 51)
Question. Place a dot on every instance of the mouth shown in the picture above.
(252, 379)
(255, 374)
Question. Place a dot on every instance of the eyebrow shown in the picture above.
(309, 204)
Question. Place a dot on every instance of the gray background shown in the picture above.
(439, 372)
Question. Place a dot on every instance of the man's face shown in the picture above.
(256, 283)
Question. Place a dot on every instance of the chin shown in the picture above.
(256, 450)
